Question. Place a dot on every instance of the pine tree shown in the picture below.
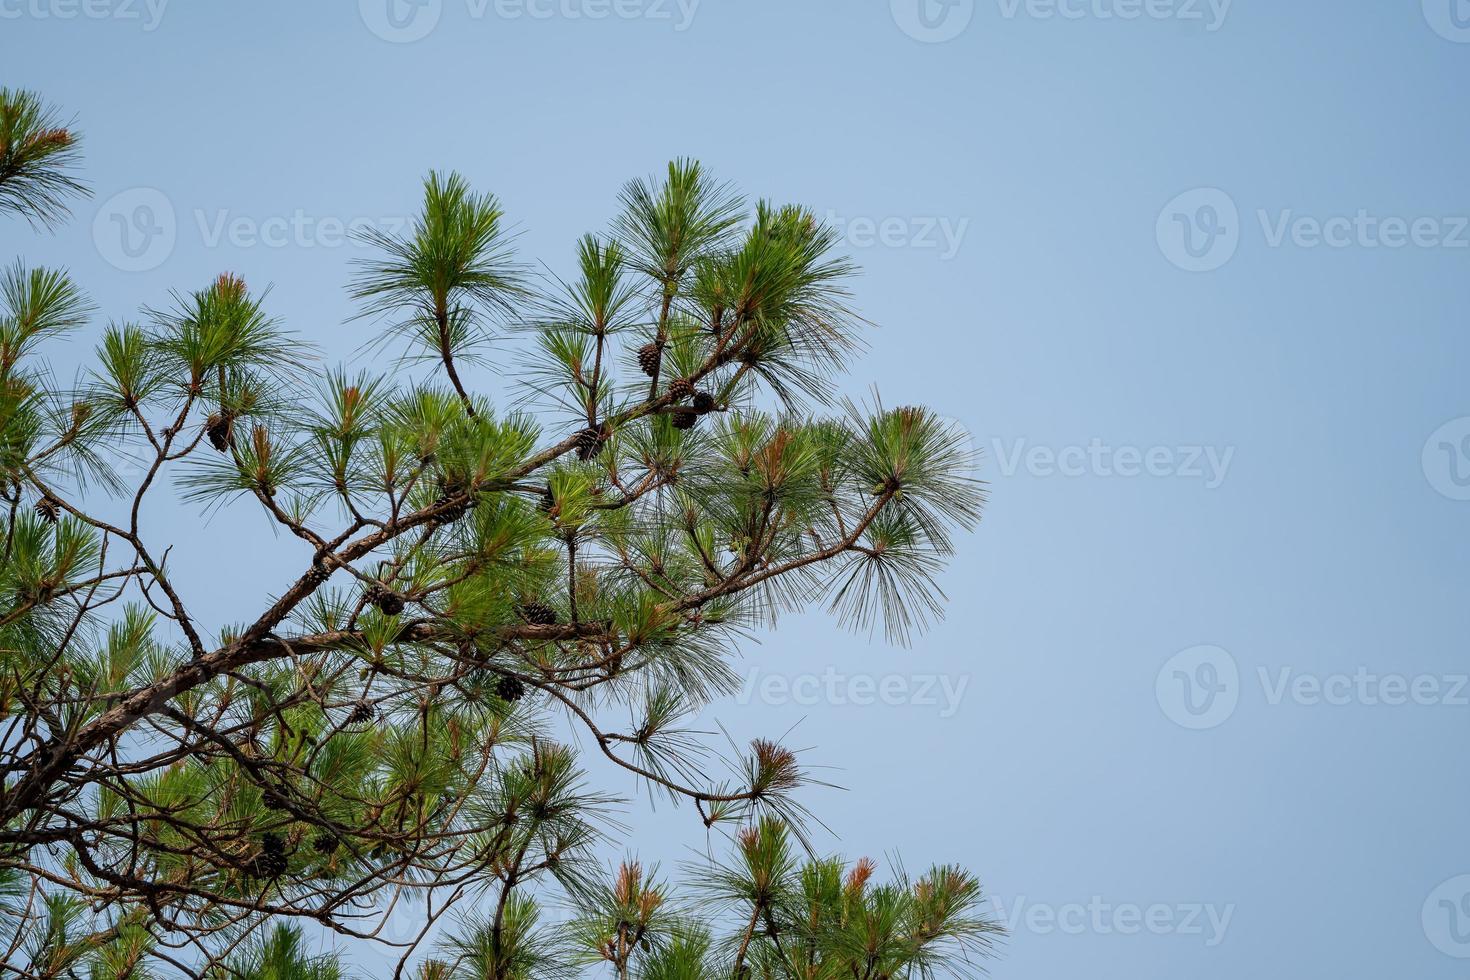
(378, 729)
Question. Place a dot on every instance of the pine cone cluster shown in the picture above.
(537, 613)
(703, 403)
(48, 508)
(648, 358)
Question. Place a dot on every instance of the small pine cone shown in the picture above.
(272, 844)
(703, 401)
(509, 688)
(454, 513)
(268, 865)
(47, 509)
(648, 358)
(685, 419)
(537, 613)
(589, 443)
(361, 711)
(326, 844)
(680, 389)
(389, 603)
(218, 429)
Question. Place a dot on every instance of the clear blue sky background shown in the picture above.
(1060, 321)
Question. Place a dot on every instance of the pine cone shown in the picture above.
(509, 688)
(537, 613)
(218, 429)
(685, 419)
(271, 861)
(589, 443)
(267, 865)
(448, 491)
(703, 401)
(389, 603)
(48, 508)
(648, 358)
(680, 389)
(325, 844)
(361, 711)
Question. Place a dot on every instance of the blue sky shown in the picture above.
(1192, 274)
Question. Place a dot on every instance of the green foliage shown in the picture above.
(389, 731)
(36, 154)
(279, 955)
